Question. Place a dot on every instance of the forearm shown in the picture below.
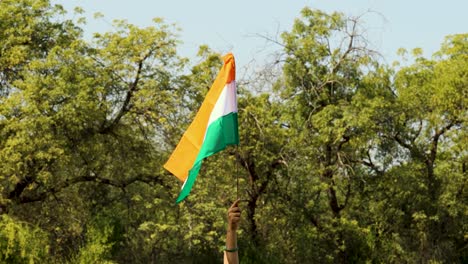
(231, 239)
(231, 243)
(230, 253)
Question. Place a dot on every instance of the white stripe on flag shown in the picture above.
(226, 103)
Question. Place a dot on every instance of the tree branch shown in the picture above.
(435, 141)
(125, 106)
(348, 50)
(89, 178)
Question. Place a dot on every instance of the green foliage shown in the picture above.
(22, 243)
(97, 246)
(342, 159)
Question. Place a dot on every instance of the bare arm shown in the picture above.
(234, 213)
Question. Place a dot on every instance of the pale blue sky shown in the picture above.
(233, 25)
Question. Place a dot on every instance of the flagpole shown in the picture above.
(237, 159)
(237, 174)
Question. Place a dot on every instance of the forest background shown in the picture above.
(344, 158)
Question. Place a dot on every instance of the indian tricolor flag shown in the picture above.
(214, 127)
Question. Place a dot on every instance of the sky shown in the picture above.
(237, 26)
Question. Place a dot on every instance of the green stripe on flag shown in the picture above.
(220, 133)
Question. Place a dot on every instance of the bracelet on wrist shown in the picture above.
(231, 249)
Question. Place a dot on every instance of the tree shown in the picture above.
(428, 122)
(331, 108)
(78, 119)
